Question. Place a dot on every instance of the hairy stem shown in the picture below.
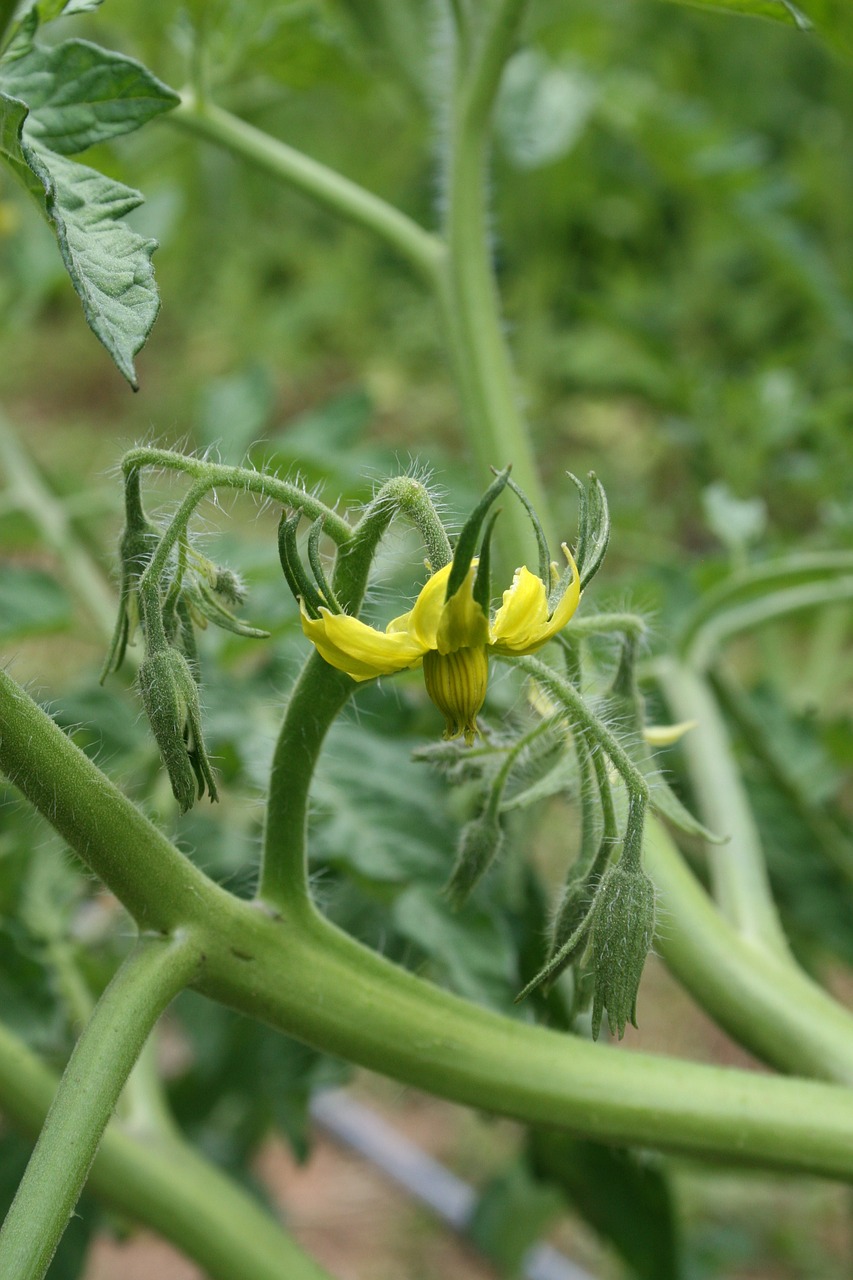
(322, 987)
(161, 1182)
(314, 983)
(159, 886)
(242, 479)
(95, 1076)
(468, 296)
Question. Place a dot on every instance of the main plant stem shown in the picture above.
(458, 268)
(95, 1076)
(468, 296)
(303, 976)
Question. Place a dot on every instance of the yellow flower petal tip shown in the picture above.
(664, 735)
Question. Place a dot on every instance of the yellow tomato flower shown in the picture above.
(451, 637)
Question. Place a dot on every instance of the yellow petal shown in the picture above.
(664, 735)
(524, 612)
(522, 624)
(361, 651)
(463, 624)
(423, 619)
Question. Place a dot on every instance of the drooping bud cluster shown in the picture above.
(167, 601)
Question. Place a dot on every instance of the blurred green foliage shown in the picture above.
(672, 196)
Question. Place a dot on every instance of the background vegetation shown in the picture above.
(672, 196)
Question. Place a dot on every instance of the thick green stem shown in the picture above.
(738, 870)
(159, 886)
(422, 249)
(164, 1184)
(766, 1003)
(316, 699)
(95, 1076)
(315, 983)
(468, 295)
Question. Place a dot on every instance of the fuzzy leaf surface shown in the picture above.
(79, 95)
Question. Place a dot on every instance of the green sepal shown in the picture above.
(316, 563)
(203, 601)
(297, 579)
(593, 532)
(483, 581)
(541, 540)
(137, 543)
(666, 804)
(466, 545)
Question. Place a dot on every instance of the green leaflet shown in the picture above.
(79, 95)
(30, 17)
(56, 101)
(831, 19)
(109, 265)
(780, 10)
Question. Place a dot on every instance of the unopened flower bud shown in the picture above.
(623, 926)
(229, 585)
(479, 844)
(170, 697)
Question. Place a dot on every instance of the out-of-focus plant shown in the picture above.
(570, 718)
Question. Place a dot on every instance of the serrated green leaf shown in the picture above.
(79, 95)
(12, 116)
(109, 265)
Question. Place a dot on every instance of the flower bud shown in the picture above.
(170, 698)
(623, 925)
(479, 844)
